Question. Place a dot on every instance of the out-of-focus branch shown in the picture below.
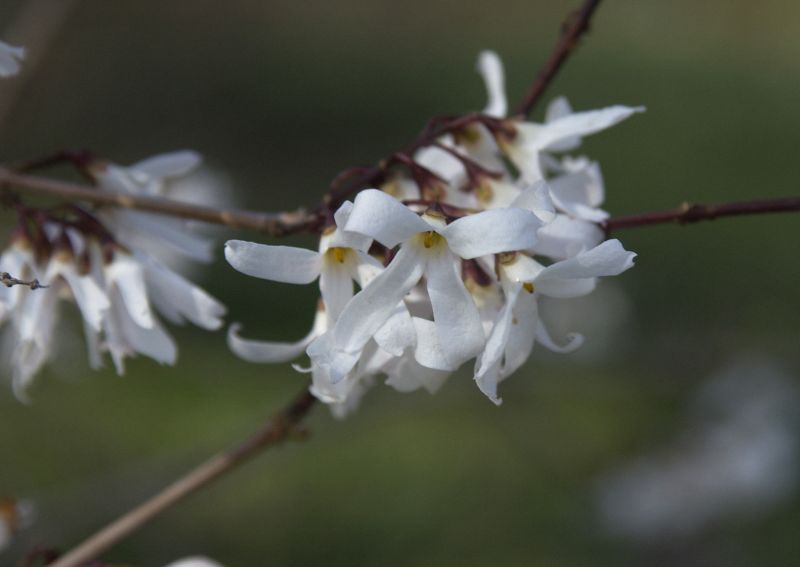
(688, 213)
(275, 224)
(573, 28)
(10, 281)
(275, 431)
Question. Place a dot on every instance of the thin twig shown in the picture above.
(688, 213)
(275, 431)
(275, 224)
(10, 281)
(573, 28)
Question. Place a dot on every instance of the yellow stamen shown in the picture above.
(430, 239)
(339, 254)
(484, 192)
(528, 286)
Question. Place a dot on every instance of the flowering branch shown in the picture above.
(275, 431)
(275, 224)
(687, 213)
(573, 28)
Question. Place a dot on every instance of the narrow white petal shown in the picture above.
(496, 343)
(429, 352)
(372, 306)
(127, 275)
(565, 289)
(407, 375)
(9, 56)
(151, 233)
(536, 199)
(490, 68)
(522, 333)
(559, 107)
(338, 350)
(578, 124)
(154, 342)
(194, 562)
(178, 298)
(265, 351)
(91, 300)
(458, 323)
(579, 193)
(398, 333)
(382, 217)
(336, 287)
(277, 263)
(565, 237)
(491, 232)
(173, 164)
(606, 259)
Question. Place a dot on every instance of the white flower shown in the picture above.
(15, 515)
(431, 248)
(102, 263)
(517, 327)
(10, 57)
(196, 561)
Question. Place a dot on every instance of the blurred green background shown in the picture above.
(280, 96)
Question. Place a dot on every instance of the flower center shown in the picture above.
(338, 253)
(528, 286)
(430, 239)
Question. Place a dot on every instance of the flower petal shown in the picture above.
(606, 259)
(384, 218)
(277, 263)
(458, 323)
(492, 232)
(428, 351)
(336, 286)
(522, 334)
(546, 136)
(574, 340)
(398, 333)
(564, 237)
(490, 68)
(265, 351)
(127, 275)
(173, 164)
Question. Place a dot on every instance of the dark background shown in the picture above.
(279, 96)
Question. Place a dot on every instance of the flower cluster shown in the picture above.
(107, 262)
(450, 254)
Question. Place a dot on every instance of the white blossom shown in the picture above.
(10, 57)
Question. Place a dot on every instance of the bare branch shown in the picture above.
(275, 224)
(10, 281)
(573, 28)
(688, 213)
(275, 431)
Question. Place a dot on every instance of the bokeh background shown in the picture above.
(613, 456)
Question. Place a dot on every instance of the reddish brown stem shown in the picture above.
(275, 431)
(688, 213)
(573, 28)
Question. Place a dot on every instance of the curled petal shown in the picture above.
(492, 232)
(606, 259)
(574, 340)
(264, 351)
(277, 263)
(336, 287)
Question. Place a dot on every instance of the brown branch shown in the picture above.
(275, 224)
(573, 28)
(278, 429)
(688, 213)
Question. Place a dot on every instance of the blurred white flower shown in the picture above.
(736, 459)
(10, 57)
(103, 263)
(196, 561)
(15, 515)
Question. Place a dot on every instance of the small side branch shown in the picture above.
(573, 28)
(275, 224)
(688, 213)
(277, 430)
(10, 281)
